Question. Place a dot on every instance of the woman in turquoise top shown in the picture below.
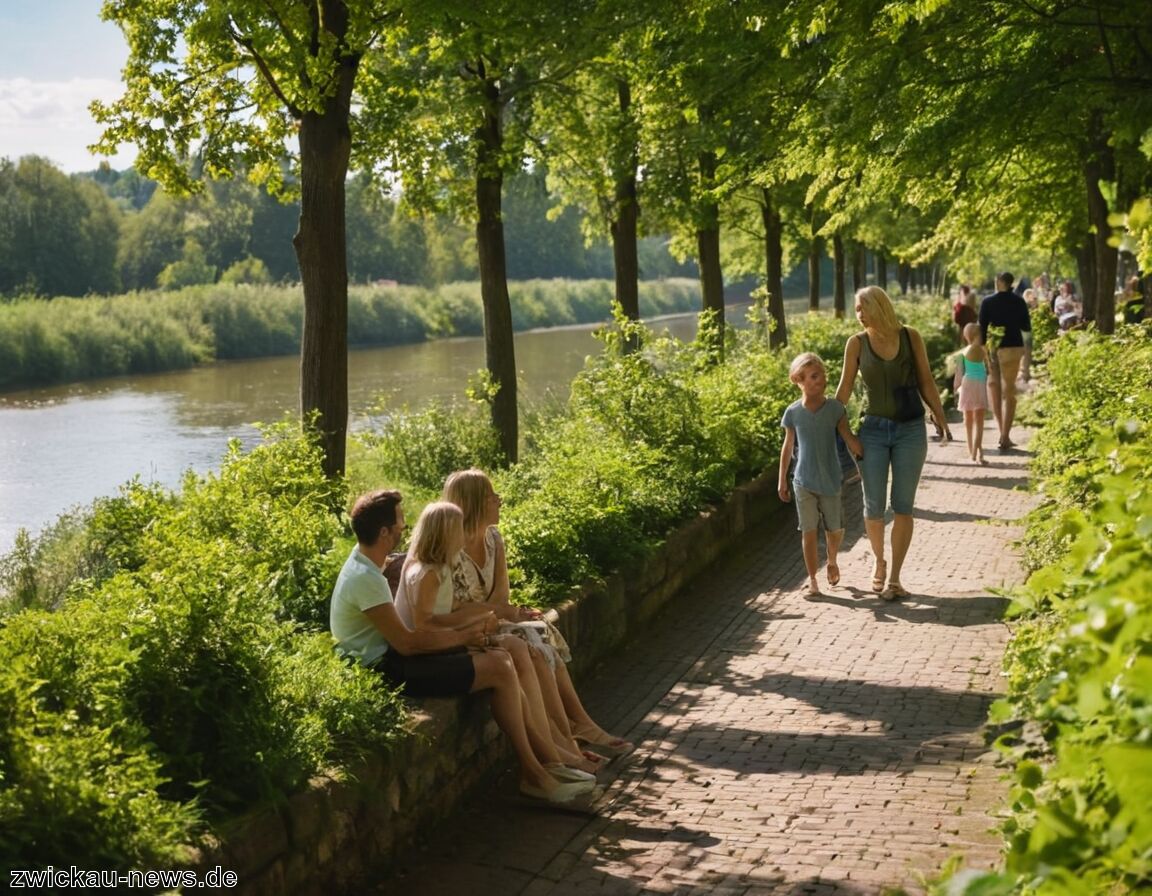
(893, 363)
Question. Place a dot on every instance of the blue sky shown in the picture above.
(56, 56)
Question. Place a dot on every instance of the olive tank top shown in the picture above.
(882, 377)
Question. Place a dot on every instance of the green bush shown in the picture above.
(1079, 665)
(192, 677)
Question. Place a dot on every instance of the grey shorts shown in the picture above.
(811, 508)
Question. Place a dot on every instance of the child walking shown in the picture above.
(971, 388)
(810, 427)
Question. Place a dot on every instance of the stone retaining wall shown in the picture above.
(329, 837)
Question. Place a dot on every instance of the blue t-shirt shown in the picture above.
(817, 464)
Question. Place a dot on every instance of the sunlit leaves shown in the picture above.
(1079, 666)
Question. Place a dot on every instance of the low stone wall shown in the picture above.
(329, 837)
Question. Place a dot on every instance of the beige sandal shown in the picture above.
(879, 573)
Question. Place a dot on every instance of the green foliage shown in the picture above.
(246, 270)
(191, 269)
(192, 676)
(648, 437)
(1079, 666)
(422, 447)
(185, 673)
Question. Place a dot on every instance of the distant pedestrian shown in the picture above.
(1008, 313)
(810, 427)
(971, 388)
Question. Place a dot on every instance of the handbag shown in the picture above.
(908, 403)
(907, 397)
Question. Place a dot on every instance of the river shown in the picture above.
(64, 446)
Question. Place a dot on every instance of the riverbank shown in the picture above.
(44, 342)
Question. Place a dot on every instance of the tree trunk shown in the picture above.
(1098, 167)
(859, 266)
(838, 305)
(814, 254)
(624, 227)
(321, 251)
(708, 250)
(882, 271)
(1086, 270)
(499, 350)
(904, 276)
(774, 258)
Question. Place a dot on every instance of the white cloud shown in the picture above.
(51, 119)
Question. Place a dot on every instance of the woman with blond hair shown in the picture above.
(480, 579)
(424, 603)
(893, 363)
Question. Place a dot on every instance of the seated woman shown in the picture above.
(365, 623)
(480, 579)
(424, 603)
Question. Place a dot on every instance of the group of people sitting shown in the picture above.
(449, 628)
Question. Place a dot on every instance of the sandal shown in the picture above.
(604, 742)
(833, 575)
(894, 591)
(879, 573)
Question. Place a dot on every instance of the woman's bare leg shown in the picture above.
(535, 711)
(875, 531)
(496, 672)
(901, 539)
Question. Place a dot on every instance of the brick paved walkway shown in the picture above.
(786, 745)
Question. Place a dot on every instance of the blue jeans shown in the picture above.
(901, 447)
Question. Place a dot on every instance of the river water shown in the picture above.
(65, 446)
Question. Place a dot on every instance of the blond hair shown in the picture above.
(432, 537)
(468, 490)
(802, 360)
(878, 309)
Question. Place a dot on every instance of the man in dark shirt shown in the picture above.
(1008, 313)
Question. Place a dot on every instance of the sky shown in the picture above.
(56, 56)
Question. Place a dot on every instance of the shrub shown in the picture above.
(1079, 665)
(182, 684)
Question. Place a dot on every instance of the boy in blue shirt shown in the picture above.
(810, 427)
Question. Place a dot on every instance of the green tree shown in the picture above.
(232, 85)
(465, 87)
(58, 233)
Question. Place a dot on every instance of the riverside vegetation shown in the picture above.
(67, 339)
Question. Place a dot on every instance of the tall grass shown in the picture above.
(46, 341)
